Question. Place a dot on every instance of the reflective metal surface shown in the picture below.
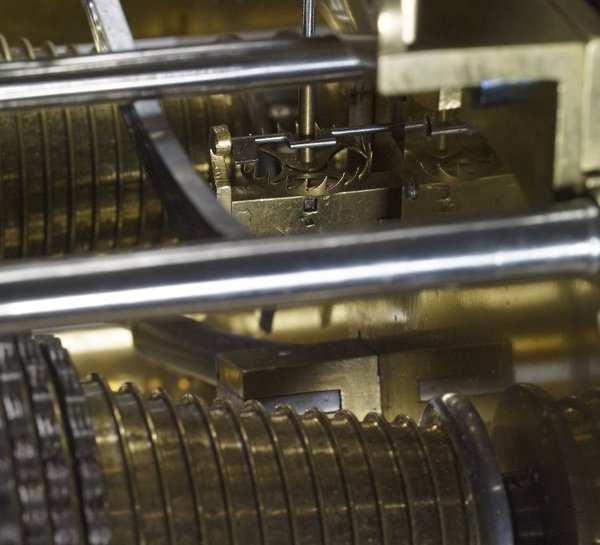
(266, 272)
(192, 208)
(203, 69)
(72, 181)
(439, 243)
(505, 44)
(353, 17)
(137, 469)
(330, 376)
(566, 489)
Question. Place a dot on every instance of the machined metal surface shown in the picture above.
(190, 347)
(472, 340)
(72, 180)
(549, 446)
(149, 19)
(488, 44)
(306, 122)
(51, 448)
(353, 17)
(194, 211)
(184, 472)
(328, 376)
(202, 69)
(484, 113)
(245, 274)
(472, 446)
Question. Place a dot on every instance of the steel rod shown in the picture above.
(197, 69)
(306, 122)
(299, 269)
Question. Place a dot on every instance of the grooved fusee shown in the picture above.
(81, 464)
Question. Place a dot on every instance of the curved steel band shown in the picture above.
(190, 203)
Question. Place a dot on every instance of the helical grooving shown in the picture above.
(71, 180)
(82, 464)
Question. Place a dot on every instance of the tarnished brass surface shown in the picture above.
(551, 331)
(397, 374)
(71, 182)
(356, 182)
(112, 350)
(331, 376)
(581, 415)
(475, 341)
(184, 473)
(458, 176)
(356, 17)
(71, 179)
(144, 469)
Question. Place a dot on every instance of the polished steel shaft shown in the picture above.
(307, 99)
(236, 65)
(299, 269)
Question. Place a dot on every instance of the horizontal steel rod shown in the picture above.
(299, 269)
(218, 67)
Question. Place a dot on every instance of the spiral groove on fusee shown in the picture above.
(71, 180)
(82, 464)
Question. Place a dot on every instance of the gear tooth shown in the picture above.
(353, 177)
